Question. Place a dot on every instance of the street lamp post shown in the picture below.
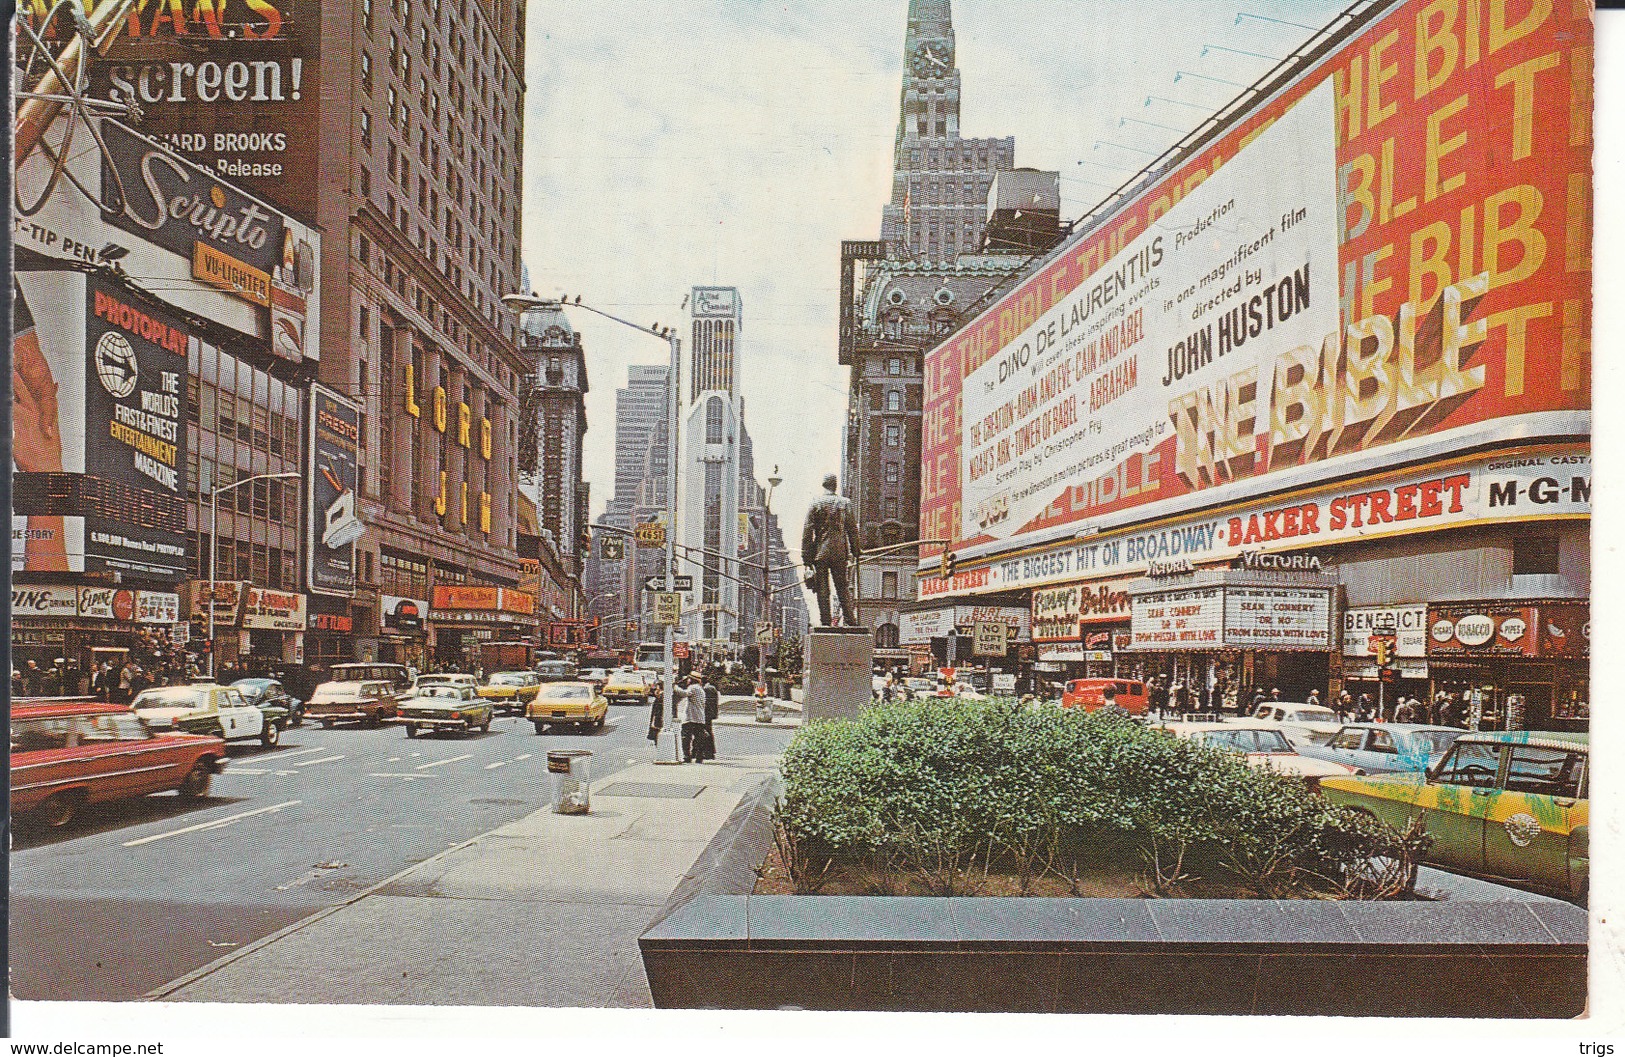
(767, 583)
(214, 541)
(521, 303)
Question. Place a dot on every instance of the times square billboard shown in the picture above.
(232, 85)
(1384, 262)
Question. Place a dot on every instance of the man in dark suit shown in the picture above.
(829, 546)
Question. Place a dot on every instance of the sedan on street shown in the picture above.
(270, 693)
(567, 704)
(205, 708)
(627, 686)
(445, 706)
(1264, 747)
(367, 703)
(1377, 748)
(1300, 722)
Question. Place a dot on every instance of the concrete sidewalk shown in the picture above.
(545, 911)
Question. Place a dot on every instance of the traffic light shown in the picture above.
(1385, 652)
(950, 562)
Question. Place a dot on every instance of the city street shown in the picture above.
(140, 892)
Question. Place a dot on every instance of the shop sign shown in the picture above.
(1538, 484)
(1017, 618)
(228, 596)
(1178, 620)
(1193, 345)
(1407, 624)
(1265, 561)
(918, 629)
(1059, 614)
(990, 638)
(1565, 630)
(1407, 668)
(1490, 630)
(106, 603)
(274, 610)
(483, 598)
(157, 607)
(337, 622)
(570, 633)
(1277, 618)
(44, 601)
(335, 438)
(404, 614)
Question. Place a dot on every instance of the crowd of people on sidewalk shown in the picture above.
(696, 702)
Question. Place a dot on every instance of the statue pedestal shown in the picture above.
(839, 667)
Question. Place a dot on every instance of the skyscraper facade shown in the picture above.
(708, 489)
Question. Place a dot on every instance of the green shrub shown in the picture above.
(942, 789)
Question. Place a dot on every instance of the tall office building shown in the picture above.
(614, 587)
(418, 197)
(708, 487)
(554, 425)
(902, 295)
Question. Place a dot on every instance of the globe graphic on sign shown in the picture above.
(115, 364)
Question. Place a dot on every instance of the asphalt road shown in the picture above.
(137, 893)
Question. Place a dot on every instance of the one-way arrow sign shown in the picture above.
(658, 583)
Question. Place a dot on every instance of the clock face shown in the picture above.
(930, 60)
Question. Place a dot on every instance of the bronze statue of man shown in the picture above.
(829, 546)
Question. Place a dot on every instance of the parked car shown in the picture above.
(918, 687)
(1090, 694)
(398, 676)
(598, 677)
(205, 708)
(1265, 747)
(367, 702)
(445, 706)
(1300, 722)
(577, 704)
(627, 686)
(510, 690)
(1376, 748)
(66, 753)
(270, 693)
(1512, 806)
(555, 671)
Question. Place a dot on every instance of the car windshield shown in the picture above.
(454, 693)
(340, 690)
(508, 679)
(1312, 714)
(171, 697)
(569, 693)
(1436, 742)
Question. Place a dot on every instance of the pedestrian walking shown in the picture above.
(713, 708)
(691, 711)
(1362, 709)
(1159, 696)
(1343, 706)
(32, 678)
(1313, 699)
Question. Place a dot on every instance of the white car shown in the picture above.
(204, 708)
(1298, 721)
(447, 678)
(1265, 747)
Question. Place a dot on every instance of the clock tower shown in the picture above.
(940, 183)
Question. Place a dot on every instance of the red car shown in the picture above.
(66, 753)
(1090, 694)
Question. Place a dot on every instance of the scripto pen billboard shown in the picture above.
(230, 84)
(1386, 261)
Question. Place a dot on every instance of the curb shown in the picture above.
(164, 990)
(728, 864)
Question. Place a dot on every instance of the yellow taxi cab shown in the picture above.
(627, 686)
(510, 690)
(1512, 806)
(577, 704)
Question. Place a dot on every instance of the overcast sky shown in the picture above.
(733, 142)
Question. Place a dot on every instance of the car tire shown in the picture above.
(270, 734)
(412, 730)
(485, 728)
(541, 728)
(196, 783)
(298, 719)
(327, 724)
(58, 809)
(598, 724)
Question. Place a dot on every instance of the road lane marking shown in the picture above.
(248, 770)
(393, 759)
(324, 759)
(439, 763)
(408, 777)
(526, 756)
(281, 755)
(216, 824)
(414, 754)
(494, 766)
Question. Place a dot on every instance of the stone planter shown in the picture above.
(1477, 951)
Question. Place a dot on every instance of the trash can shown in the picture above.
(571, 775)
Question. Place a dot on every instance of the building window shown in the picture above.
(888, 586)
(366, 134)
(894, 366)
(366, 73)
(894, 401)
(894, 434)
(889, 505)
(886, 636)
(892, 473)
(1534, 556)
(713, 420)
